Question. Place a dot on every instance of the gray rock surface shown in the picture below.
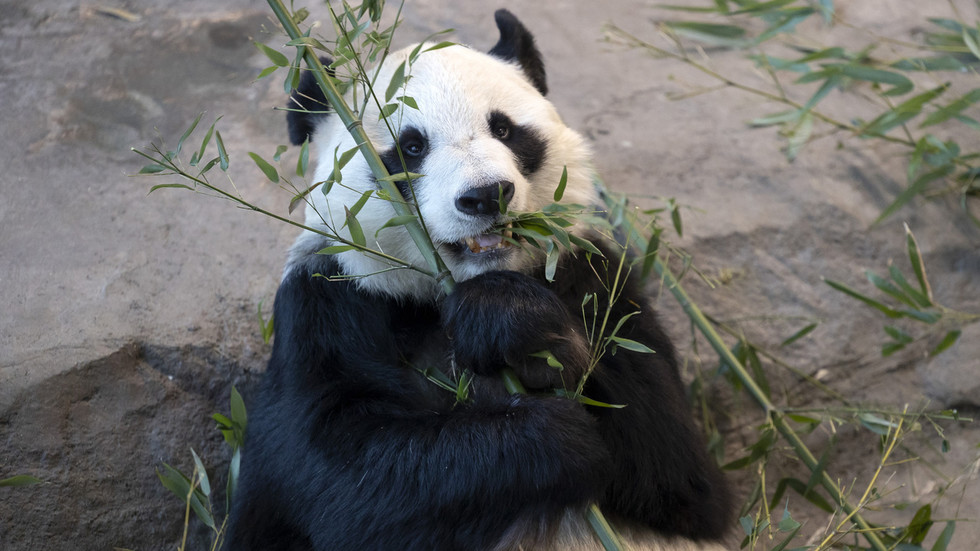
(127, 317)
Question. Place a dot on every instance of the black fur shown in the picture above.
(524, 141)
(414, 147)
(517, 44)
(307, 105)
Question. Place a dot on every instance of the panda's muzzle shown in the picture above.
(488, 200)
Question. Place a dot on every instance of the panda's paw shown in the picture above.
(501, 319)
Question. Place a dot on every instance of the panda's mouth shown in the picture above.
(486, 242)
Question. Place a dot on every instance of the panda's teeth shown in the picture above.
(486, 242)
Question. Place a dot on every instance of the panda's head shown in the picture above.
(484, 139)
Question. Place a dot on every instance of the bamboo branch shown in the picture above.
(776, 415)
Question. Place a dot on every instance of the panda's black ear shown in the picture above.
(517, 44)
(307, 106)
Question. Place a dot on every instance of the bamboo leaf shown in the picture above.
(938, 63)
(799, 487)
(266, 72)
(152, 169)
(584, 244)
(584, 400)
(354, 227)
(205, 141)
(222, 154)
(335, 249)
(156, 187)
(900, 84)
(922, 315)
(632, 345)
(180, 485)
(270, 171)
(238, 414)
(276, 57)
(971, 42)
(756, 7)
(409, 101)
(867, 300)
(890, 348)
(949, 340)
(942, 542)
(918, 266)
(710, 33)
(915, 188)
(886, 287)
(387, 111)
(560, 190)
(356, 209)
(202, 474)
(303, 162)
(898, 334)
(400, 177)
(397, 80)
(441, 45)
(920, 300)
(19, 481)
(876, 424)
(902, 112)
(548, 357)
(918, 528)
(187, 133)
(551, 261)
(777, 118)
(279, 151)
(397, 221)
(953, 109)
(799, 334)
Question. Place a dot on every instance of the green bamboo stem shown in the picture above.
(366, 148)
(776, 415)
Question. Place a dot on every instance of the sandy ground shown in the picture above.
(127, 318)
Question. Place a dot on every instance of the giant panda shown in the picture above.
(350, 445)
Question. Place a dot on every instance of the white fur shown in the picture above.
(574, 533)
(456, 89)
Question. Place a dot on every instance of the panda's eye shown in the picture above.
(500, 126)
(413, 148)
(502, 131)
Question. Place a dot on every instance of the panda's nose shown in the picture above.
(486, 200)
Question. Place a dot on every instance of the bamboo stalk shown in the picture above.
(774, 413)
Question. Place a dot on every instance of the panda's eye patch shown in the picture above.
(500, 126)
(412, 142)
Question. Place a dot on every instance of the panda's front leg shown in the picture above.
(507, 319)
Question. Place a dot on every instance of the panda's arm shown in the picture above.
(373, 447)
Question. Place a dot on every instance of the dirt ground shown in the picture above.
(127, 317)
